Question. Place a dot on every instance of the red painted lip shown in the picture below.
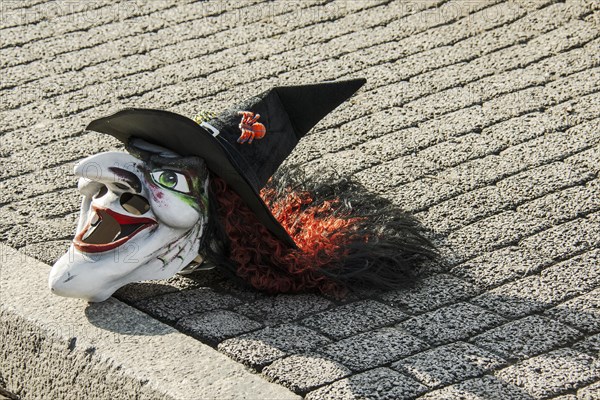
(123, 220)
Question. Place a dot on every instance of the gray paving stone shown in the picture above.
(47, 251)
(146, 81)
(192, 85)
(552, 373)
(158, 47)
(60, 203)
(305, 372)
(216, 326)
(262, 347)
(149, 21)
(37, 183)
(463, 209)
(143, 290)
(13, 214)
(555, 145)
(333, 23)
(497, 267)
(59, 152)
(380, 384)
(537, 49)
(582, 312)
(35, 231)
(154, 35)
(538, 292)
(565, 397)
(589, 159)
(69, 22)
(172, 307)
(485, 388)
(566, 204)
(273, 310)
(409, 118)
(539, 181)
(566, 239)
(493, 232)
(430, 293)
(590, 344)
(373, 349)
(48, 130)
(452, 323)
(590, 392)
(448, 364)
(594, 217)
(526, 337)
(354, 318)
(409, 168)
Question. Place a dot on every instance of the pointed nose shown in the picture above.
(116, 170)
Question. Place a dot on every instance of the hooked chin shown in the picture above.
(67, 282)
(156, 254)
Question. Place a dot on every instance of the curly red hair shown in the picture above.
(268, 264)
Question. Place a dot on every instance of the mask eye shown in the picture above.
(171, 180)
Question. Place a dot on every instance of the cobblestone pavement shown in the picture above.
(481, 117)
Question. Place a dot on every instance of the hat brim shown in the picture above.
(187, 138)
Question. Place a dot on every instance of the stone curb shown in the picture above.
(54, 347)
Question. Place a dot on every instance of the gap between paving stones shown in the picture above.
(23, 4)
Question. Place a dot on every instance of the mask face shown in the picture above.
(142, 217)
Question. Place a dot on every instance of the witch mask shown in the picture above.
(142, 217)
(149, 213)
(145, 213)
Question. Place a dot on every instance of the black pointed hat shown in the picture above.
(287, 114)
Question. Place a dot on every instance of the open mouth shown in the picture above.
(108, 229)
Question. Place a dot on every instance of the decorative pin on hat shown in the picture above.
(190, 192)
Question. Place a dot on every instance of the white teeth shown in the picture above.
(95, 220)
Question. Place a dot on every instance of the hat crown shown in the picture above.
(287, 113)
